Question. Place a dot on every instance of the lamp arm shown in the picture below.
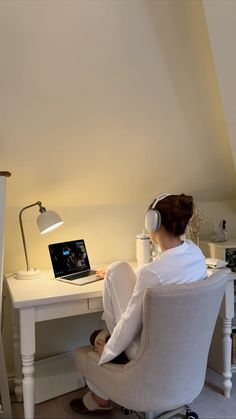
(22, 230)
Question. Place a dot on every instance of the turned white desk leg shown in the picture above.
(227, 346)
(27, 335)
(17, 356)
(227, 313)
(28, 385)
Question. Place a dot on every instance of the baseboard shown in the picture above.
(54, 376)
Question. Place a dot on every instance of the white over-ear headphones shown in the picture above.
(153, 216)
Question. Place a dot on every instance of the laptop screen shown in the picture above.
(69, 257)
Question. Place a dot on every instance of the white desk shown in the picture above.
(42, 299)
(227, 313)
(45, 299)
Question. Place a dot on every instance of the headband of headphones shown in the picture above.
(159, 198)
(153, 216)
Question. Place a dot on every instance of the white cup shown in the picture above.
(143, 249)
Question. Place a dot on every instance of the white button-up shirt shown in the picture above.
(179, 265)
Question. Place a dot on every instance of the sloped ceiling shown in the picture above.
(107, 102)
(221, 23)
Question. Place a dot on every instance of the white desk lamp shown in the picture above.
(47, 221)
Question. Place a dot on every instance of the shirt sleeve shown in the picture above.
(131, 320)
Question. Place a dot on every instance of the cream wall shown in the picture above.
(109, 232)
(214, 213)
(103, 105)
(109, 102)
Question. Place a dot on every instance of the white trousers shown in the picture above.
(119, 284)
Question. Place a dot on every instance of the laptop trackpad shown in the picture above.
(87, 280)
(80, 281)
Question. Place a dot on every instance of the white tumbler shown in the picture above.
(143, 249)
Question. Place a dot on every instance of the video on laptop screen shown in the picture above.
(69, 257)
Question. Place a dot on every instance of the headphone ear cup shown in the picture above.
(152, 221)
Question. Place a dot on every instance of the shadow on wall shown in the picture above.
(216, 211)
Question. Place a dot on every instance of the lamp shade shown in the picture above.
(48, 221)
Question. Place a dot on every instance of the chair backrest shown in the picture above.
(178, 323)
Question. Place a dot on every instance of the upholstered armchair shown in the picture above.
(170, 366)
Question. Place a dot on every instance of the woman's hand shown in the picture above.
(99, 345)
(101, 273)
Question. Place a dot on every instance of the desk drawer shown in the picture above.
(95, 304)
(59, 310)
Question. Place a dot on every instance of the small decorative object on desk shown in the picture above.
(198, 218)
(220, 233)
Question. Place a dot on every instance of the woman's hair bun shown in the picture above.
(186, 201)
(176, 211)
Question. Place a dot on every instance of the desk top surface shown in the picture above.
(46, 289)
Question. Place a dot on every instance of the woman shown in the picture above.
(180, 261)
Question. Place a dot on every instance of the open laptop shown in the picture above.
(71, 263)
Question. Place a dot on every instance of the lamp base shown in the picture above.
(32, 273)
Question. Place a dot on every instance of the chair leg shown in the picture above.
(170, 413)
(150, 415)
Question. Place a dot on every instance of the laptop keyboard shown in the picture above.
(79, 275)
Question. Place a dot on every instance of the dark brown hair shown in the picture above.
(176, 211)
